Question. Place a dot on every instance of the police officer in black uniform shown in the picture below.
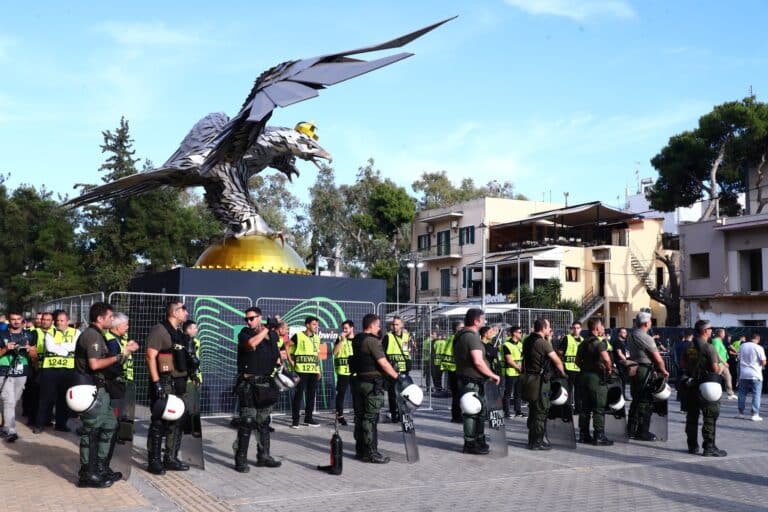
(596, 365)
(257, 357)
(370, 367)
(169, 378)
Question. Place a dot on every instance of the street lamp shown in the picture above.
(482, 285)
(415, 264)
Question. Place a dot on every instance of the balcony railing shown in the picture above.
(432, 293)
(440, 251)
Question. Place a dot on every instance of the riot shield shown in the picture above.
(496, 431)
(616, 412)
(192, 440)
(560, 430)
(409, 432)
(124, 409)
(660, 420)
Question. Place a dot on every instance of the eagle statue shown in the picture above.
(221, 154)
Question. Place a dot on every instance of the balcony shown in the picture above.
(436, 294)
(440, 252)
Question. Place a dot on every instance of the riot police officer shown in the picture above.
(595, 364)
(167, 367)
(396, 344)
(643, 350)
(370, 367)
(257, 358)
(701, 365)
(472, 368)
(92, 364)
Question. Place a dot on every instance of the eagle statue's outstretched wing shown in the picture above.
(182, 169)
(294, 81)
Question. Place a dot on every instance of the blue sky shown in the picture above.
(554, 95)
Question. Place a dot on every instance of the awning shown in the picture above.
(512, 256)
(577, 215)
(489, 309)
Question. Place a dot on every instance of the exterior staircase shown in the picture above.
(642, 273)
(590, 304)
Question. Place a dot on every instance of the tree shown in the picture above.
(437, 190)
(713, 159)
(668, 295)
(159, 230)
(40, 260)
(546, 296)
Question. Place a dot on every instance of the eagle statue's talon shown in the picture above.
(278, 234)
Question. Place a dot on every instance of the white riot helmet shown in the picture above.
(170, 408)
(616, 399)
(662, 392)
(470, 403)
(413, 396)
(81, 398)
(711, 391)
(558, 394)
(286, 379)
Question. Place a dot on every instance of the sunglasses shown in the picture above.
(184, 308)
(250, 318)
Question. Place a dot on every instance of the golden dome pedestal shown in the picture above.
(257, 253)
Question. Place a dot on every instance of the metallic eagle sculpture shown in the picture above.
(222, 154)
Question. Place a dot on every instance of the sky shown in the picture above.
(554, 95)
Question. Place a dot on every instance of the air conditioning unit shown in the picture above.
(454, 224)
(454, 271)
(430, 228)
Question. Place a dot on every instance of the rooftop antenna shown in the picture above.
(566, 198)
(637, 175)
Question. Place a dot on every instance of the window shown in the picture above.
(572, 274)
(700, 266)
(443, 243)
(751, 270)
(752, 323)
(424, 242)
(463, 277)
(424, 280)
(467, 235)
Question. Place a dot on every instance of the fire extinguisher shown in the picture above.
(337, 453)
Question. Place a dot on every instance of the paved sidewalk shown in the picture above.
(635, 476)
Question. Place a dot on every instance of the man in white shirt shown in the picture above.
(751, 363)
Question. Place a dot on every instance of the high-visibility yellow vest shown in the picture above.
(199, 372)
(395, 353)
(305, 353)
(570, 352)
(341, 360)
(516, 353)
(437, 352)
(128, 363)
(51, 360)
(448, 361)
(41, 342)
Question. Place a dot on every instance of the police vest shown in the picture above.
(305, 353)
(693, 359)
(128, 363)
(199, 371)
(570, 352)
(341, 360)
(516, 353)
(395, 354)
(437, 352)
(448, 361)
(52, 360)
(40, 333)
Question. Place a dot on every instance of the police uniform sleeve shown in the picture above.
(156, 338)
(91, 341)
(374, 348)
(547, 346)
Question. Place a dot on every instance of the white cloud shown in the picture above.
(147, 34)
(578, 10)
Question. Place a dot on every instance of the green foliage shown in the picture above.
(728, 142)
(40, 260)
(437, 190)
(547, 296)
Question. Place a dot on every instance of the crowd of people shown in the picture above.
(57, 370)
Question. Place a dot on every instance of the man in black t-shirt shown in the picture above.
(257, 358)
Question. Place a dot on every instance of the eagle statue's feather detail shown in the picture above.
(222, 154)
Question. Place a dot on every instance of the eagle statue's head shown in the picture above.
(289, 144)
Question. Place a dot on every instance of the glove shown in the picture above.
(401, 379)
(159, 390)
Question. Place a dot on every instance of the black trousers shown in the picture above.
(512, 390)
(342, 385)
(54, 383)
(30, 398)
(437, 377)
(455, 386)
(574, 390)
(307, 386)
